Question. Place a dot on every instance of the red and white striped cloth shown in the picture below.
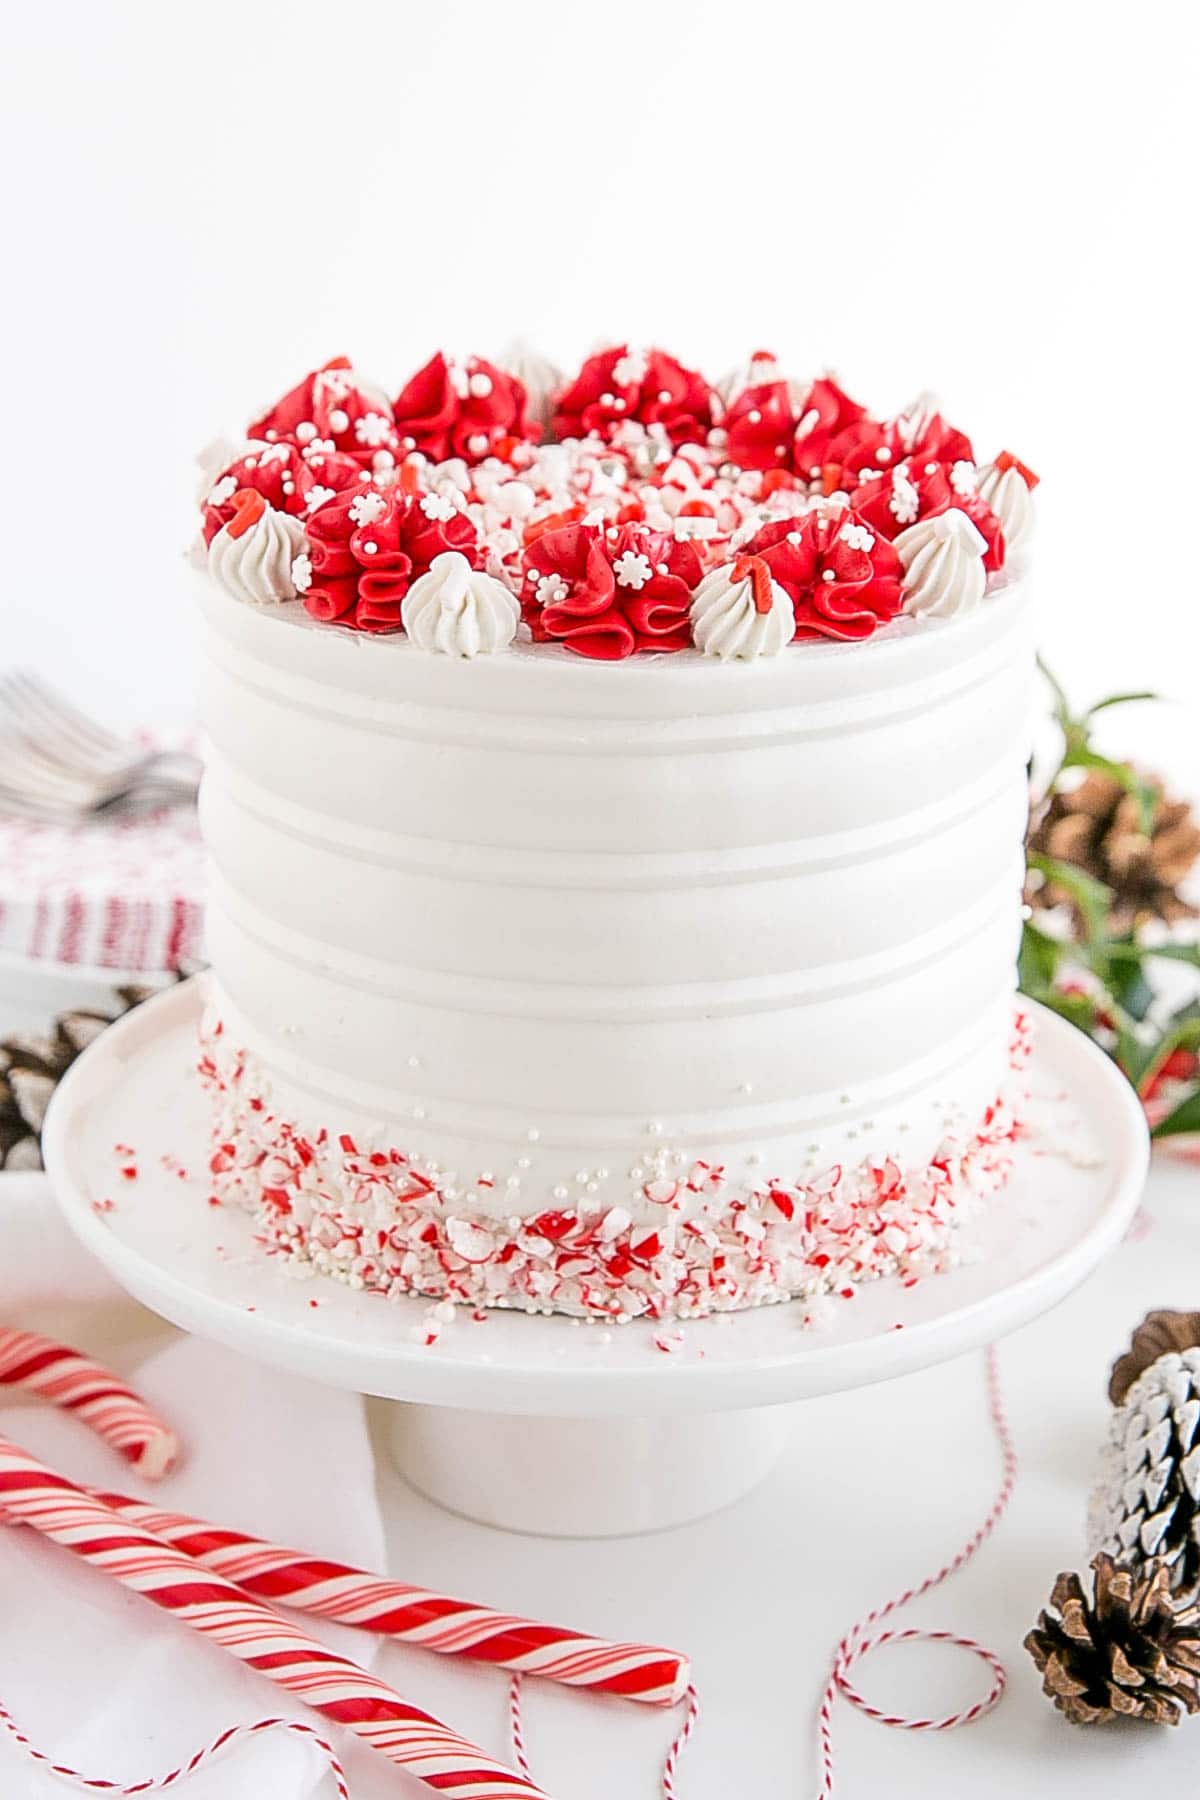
(124, 894)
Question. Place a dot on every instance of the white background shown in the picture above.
(997, 202)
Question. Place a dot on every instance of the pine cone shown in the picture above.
(1158, 1333)
(1132, 1652)
(1096, 826)
(32, 1067)
(1146, 1507)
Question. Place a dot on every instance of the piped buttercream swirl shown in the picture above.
(540, 378)
(739, 613)
(252, 556)
(943, 565)
(455, 610)
(1005, 487)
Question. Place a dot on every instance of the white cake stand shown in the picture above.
(546, 1424)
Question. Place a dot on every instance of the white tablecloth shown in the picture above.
(880, 1487)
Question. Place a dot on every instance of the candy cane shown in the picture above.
(332, 1590)
(99, 1397)
(214, 1607)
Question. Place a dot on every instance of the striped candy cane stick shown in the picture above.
(332, 1590)
(34, 1495)
(99, 1397)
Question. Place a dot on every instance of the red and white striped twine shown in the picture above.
(236, 1734)
(861, 1637)
(680, 1743)
(670, 1766)
(516, 1726)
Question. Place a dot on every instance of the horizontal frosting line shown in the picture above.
(494, 996)
(643, 871)
(473, 725)
(609, 1133)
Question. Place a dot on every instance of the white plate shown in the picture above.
(1074, 1188)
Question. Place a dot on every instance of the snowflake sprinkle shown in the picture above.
(436, 506)
(632, 569)
(302, 572)
(373, 429)
(366, 507)
(857, 536)
(551, 589)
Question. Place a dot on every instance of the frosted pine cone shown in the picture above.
(1146, 1505)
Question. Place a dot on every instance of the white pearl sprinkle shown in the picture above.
(533, 1134)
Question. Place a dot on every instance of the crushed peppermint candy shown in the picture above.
(690, 1242)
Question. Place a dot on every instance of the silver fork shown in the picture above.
(58, 765)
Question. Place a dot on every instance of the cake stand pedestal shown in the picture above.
(549, 1425)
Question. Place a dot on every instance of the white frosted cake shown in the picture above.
(640, 990)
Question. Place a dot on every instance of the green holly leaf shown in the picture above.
(1091, 896)
(1184, 953)
(1117, 700)
(1184, 1118)
(1130, 988)
(1038, 962)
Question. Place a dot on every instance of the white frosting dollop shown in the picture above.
(943, 565)
(455, 610)
(540, 378)
(726, 621)
(1007, 493)
(256, 567)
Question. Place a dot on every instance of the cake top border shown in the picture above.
(634, 509)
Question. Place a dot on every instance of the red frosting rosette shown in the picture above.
(929, 438)
(335, 407)
(288, 478)
(606, 592)
(760, 426)
(842, 578)
(830, 427)
(911, 491)
(470, 409)
(646, 386)
(826, 434)
(367, 548)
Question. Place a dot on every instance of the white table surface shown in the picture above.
(880, 1487)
